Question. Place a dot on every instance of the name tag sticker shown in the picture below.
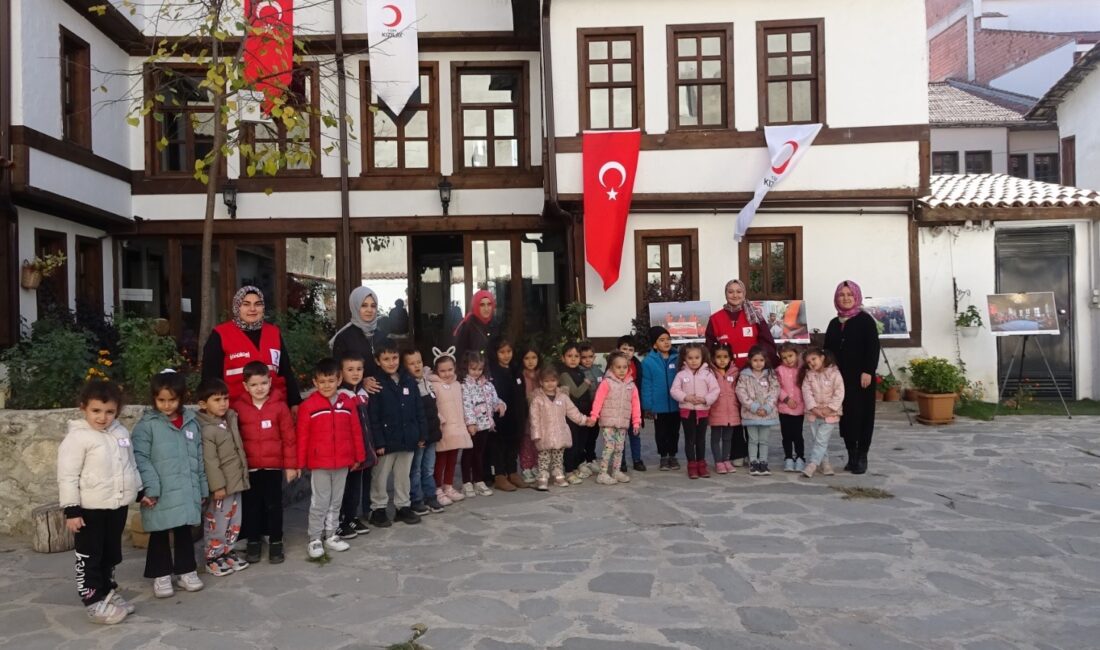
(265, 424)
(123, 442)
(747, 331)
(672, 366)
(730, 379)
(519, 381)
(190, 434)
(558, 402)
(686, 379)
(405, 391)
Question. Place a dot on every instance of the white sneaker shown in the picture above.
(104, 613)
(594, 467)
(334, 543)
(315, 549)
(117, 600)
(468, 490)
(605, 479)
(530, 475)
(453, 494)
(162, 587)
(190, 581)
(583, 471)
(482, 489)
(442, 498)
(621, 477)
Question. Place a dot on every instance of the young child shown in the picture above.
(823, 394)
(271, 451)
(507, 380)
(422, 489)
(658, 373)
(330, 442)
(168, 450)
(695, 389)
(528, 455)
(226, 475)
(617, 409)
(452, 424)
(625, 344)
(758, 392)
(479, 403)
(357, 486)
(593, 374)
(575, 382)
(725, 413)
(97, 480)
(551, 408)
(791, 408)
(398, 429)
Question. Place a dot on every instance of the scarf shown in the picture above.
(358, 295)
(473, 312)
(845, 314)
(238, 298)
(751, 313)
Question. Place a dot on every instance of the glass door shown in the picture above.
(438, 290)
(490, 268)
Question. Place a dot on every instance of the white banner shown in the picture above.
(394, 54)
(786, 146)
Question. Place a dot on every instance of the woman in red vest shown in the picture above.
(246, 338)
(739, 325)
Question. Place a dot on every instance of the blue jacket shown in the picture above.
(397, 421)
(659, 374)
(171, 467)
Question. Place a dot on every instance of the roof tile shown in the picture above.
(1004, 191)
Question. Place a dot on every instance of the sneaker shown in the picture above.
(253, 551)
(542, 483)
(358, 526)
(189, 581)
(117, 600)
(583, 471)
(407, 516)
(720, 467)
(764, 471)
(740, 462)
(754, 468)
(639, 466)
(800, 464)
(482, 489)
(275, 553)
(334, 543)
(621, 477)
(235, 562)
(453, 494)
(730, 469)
(105, 613)
(827, 468)
(809, 470)
(218, 567)
(420, 509)
(561, 481)
(574, 479)
(442, 498)
(162, 587)
(315, 549)
(379, 519)
(530, 475)
(468, 490)
(435, 506)
(673, 463)
(346, 531)
(605, 479)
(788, 465)
(664, 465)
(593, 467)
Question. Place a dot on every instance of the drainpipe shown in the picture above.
(344, 256)
(8, 222)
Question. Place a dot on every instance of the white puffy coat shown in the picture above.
(96, 469)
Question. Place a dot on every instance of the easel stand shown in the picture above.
(1021, 351)
(889, 369)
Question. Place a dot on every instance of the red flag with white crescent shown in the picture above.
(269, 47)
(610, 160)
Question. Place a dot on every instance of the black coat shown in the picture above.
(397, 420)
(508, 382)
(352, 339)
(431, 418)
(474, 335)
(855, 346)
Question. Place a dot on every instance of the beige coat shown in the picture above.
(96, 469)
(824, 388)
(223, 453)
(452, 422)
(549, 428)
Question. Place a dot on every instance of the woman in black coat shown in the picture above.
(361, 335)
(852, 338)
(478, 332)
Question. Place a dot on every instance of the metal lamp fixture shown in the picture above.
(445, 188)
(229, 198)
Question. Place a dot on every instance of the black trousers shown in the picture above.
(740, 447)
(695, 437)
(162, 559)
(794, 446)
(262, 506)
(575, 455)
(356, 494)
(503, 447)
(98, 552)
(592, 436)
(667, 432)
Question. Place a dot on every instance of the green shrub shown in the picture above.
(936, 375)
(47, 368)
(143, 353)
(305, 335)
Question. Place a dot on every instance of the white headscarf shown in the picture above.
(355, 301)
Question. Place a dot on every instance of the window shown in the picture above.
(1017, 165)
(610, 63)
(301, 145)
(667, 266)
(791, 67)
(700, 88)
(1069, 161)
(89, 275)
(1046, 167)
(945, 162)
(311, 276)
(771, 263)
(76, 90)
(52, 296)
(979, 162)
(182, 125)
(410, 145)
(490, 107)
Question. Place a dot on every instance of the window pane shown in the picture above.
(385, 153)
(597, 73)
(712, 46)
(800, 42)
(756, 281)
(622, 72)
(417, 126)
(675, 256)
(491, 263)
(653, 278)
(384, 126)
(712, 104)
(801, 65)
(504, 122)
(311, 275)
(777, 66)
(777, 102)
(801, 101)
(416, 154)
(597, 50)
(495, 88)
(777, 43)
(653, 256)
(756, 254)
(621, 49)
(384, 267)
(777, 268)
(599, 108)
(686, 46)
(624, 107)
(712, 69)
(298, 156)
(474, 123)
(687, 70)
(506, 153)
(476, 153)
(687, 102)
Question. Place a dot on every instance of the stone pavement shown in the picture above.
(992, 541)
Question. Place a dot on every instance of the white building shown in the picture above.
(1074, 102)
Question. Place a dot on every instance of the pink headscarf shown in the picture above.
(857, 293)
(475, 311)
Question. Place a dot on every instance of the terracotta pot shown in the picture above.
(878, 395)
(30, 278)
(909, 395)
(935, 408)
(892, 394)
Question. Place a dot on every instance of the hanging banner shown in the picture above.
(394, 52)
(786, 146)
(269, 48)
(610, 159)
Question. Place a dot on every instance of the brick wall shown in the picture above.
(999, 51)
(947, 53)
(935, 10)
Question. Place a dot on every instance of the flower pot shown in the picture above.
(30, 278)
(935, 408)
(892, 394)
(161, 326)
(969, 331)
(909, 395)
(878, 395)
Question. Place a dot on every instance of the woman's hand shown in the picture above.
(371, 385)
(865, 380)
(74, 524)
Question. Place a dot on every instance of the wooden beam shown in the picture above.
(945, 215)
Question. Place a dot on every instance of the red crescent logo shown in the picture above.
(782, 168)
(396, 16)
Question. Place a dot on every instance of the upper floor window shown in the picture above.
(76, 90)
(772, 264)
(409, 144)
(979, 162)
(700, 84)
(182, 124)
(490, 115)
(945, 162)
(1046, 167)
(667, 266)
(298, 147)
(791, 66)
(610, 61)
(1017, 165)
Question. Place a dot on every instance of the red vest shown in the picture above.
(740, 336)
(239, 352)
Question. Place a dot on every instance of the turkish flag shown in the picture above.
(610, 162)
(269, 47)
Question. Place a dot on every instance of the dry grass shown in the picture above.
(418, 631)
(862, 492)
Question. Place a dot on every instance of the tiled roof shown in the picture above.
(1004, 191)
(956, 103)
(1047, 107)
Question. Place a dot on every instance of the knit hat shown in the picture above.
(655, 333)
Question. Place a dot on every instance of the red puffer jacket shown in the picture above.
(267, 434)
(329, 434)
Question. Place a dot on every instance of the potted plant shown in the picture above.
(936, 382)
(889, 389)
(968, 322)
(42, 266)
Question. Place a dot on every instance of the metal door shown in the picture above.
(1039, 259)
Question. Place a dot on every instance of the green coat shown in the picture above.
(170, 463)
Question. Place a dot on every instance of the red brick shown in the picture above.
(936, 10)
(947, 53)
(998, 51)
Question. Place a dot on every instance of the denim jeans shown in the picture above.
(422, 474)
(820, 431)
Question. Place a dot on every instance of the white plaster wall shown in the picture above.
(962, 140)
(1033, 142)
(1045, 15)
(79, 183)
(1077, 116)
(1035, 77)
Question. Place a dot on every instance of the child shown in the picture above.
(575, 382)
(695, 389)
(504, 445)
(168, 450)
(593, 374)
(617, 408)
(625, 344)
(479, 403)
(758, 392)
(398, 430)
(271, 450)
(659, 371)
(528, 455)
(422, 490)
(550, 409)
(357, 486)
(452, 424)
(725, 413)
(790, 408)
(330, 442)
(226, 475)
(823, 393)
(97, 479)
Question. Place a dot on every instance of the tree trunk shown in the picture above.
(206, 309)
(50, 533)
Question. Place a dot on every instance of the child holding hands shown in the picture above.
(725, 413)
(617, 409)
(695, 389)
(790, 407)
(551, 410)
(758, 392)
(823, 393)
(479, 403)
(226, 474)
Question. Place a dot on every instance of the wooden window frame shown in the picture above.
(1068, 161)
(1019, 156)
(636, 34)
(791, 235)
(817, 105)
(431, 68)
(76, 111)
(641, 267)
(61, 275)
(952, 155)
(1054, 166)
(152, 155)
(522, 125)
(986, 154)
(698, 31)
(248, 130)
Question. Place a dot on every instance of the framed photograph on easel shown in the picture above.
(1022, 314)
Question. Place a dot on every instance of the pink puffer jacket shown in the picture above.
(695, 383)
(823, 388)
(548, 416)
(452, 421)
(726, 410)
(789, 388)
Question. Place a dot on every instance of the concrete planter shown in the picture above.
(935, 408)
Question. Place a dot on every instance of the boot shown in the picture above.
(693, 470)
(515, 479)
(701, 468)
(861, 465)
(501, 482)
(853, 456)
